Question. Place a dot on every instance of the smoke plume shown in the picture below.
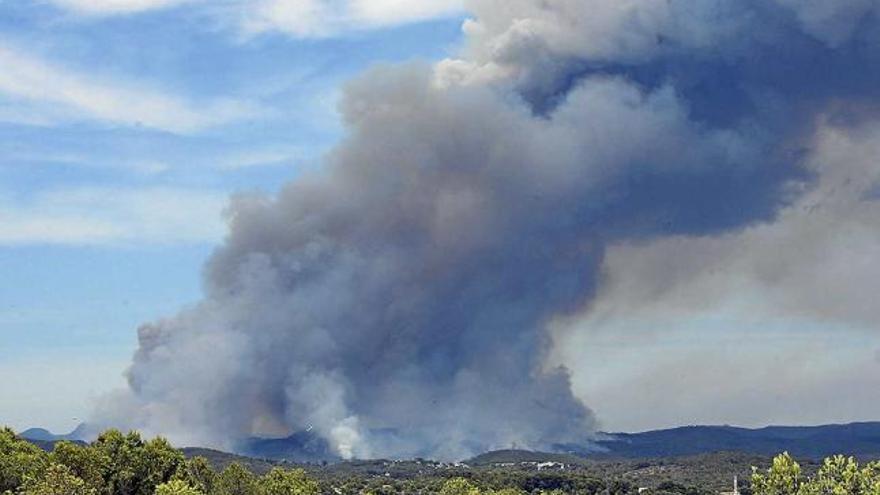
(396, 301)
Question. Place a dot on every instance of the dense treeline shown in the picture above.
(126, 464)
(838, 475)
(491, 482)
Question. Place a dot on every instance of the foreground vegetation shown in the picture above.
(838, 475)
(126, 464)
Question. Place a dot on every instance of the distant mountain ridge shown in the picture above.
(80, 433)
(303, 446)
(859, 439)
(812, 442)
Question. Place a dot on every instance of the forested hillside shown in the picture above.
(127, 464)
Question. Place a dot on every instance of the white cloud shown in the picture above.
(112, 7)
(390, 12)
(99, 160)
(96, 215)
(299, 18)
(42, 87)
(262, 158)
(322, 18)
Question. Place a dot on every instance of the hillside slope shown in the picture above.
(858, 439)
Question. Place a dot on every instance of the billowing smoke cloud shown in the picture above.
(397, 301)
(779, 318)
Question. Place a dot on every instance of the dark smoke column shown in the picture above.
(397, 301)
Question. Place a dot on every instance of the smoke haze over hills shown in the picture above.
(397, 300)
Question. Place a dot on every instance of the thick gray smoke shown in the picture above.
(397, 300)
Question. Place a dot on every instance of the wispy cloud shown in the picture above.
(262, 158)
(40, 86)
(390, 12)
(298, 18)
(114, 7)
(322, 18)
(143, 167)
(105, 215)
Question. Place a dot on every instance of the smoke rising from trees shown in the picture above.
(396, 301)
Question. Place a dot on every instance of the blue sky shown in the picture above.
(124, 127)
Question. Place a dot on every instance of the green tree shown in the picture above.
(459, 486)
(162, 461)
(177, 487)
(87, 463)
(871, 478)
(288, 482)
(671, 487)
(838, 475)
(57, 479)
(19, 461)
(197, 473)
(235, 480)
(506, 491)
(122, 473)
(136, 467)
(782, 478)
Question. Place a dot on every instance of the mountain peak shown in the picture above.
(78, 434)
